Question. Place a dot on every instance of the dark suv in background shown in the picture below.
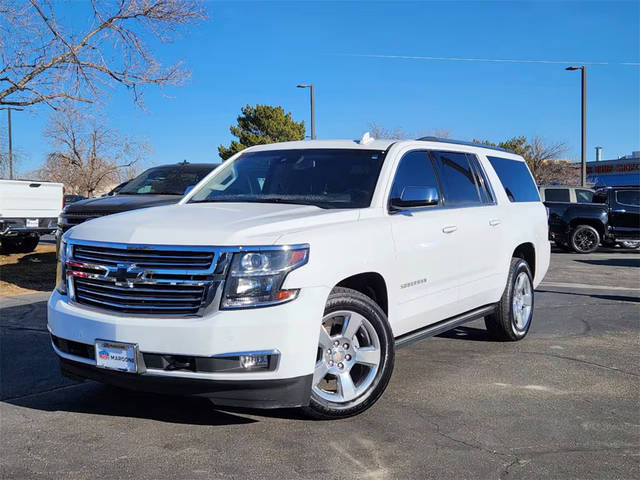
(612, 218)
(156, 186)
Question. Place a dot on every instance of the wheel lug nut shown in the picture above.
(345, 346)
(328, 350)
(336, 343)
(348, 357)
(330, 363)
(340, 365)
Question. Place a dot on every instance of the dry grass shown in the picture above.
(28, 272)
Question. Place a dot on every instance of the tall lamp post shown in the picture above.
(583, 167)
(313, 108)
(8, 109)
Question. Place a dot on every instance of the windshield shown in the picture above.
(171, 180)
(326, 178)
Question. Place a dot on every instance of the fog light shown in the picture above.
(254, 361)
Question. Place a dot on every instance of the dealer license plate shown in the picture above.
(32, 223)
(116, 356)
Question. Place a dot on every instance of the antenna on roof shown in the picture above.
(366, 138)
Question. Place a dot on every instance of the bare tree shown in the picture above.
(89, 157)
(43, 62)
(546, 163)
(398, 133)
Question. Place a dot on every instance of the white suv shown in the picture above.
(290, 274)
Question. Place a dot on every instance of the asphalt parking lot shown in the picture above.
(563, 403)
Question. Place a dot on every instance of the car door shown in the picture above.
(479, 236)
(425, 275)
(624, 216)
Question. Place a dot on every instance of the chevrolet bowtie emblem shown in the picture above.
(128, 274)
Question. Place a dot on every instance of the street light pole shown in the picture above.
(583, 166)
(313, 108)
(8, 109)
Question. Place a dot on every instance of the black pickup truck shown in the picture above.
(613, 218)
(156, 186)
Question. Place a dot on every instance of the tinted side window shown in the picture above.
(628, 197)
(584, 196)
(515, 178)
(414, 170)
(556, 195)
(457, 179)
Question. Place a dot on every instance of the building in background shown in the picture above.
(622, 171)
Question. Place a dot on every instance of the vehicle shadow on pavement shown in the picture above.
(91, 398)
(468, 333)
(613, 298)
(34, 271)
(613, 262)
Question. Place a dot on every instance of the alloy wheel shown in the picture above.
(522, 301)
(585, 240)
(348, 358)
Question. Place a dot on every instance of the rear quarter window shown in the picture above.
(516, 180)
(557, 195)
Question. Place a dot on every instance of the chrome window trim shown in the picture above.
(214, 284)
(442, 205)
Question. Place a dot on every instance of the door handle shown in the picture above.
(621, 210)
(495, 222)
(449, 229)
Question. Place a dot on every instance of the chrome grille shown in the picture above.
(144, 279)
(144, 257)
(154, 299)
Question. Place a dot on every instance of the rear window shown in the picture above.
(556, 195)
(515, 178)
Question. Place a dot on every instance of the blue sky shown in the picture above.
(256, 52)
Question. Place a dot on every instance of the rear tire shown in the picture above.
(355, 356)
(512, 318)
(28, 244)
(584, 239)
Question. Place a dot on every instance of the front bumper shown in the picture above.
(291, 329)
(279, 393)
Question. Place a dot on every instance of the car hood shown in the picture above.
(120, 203)
(220, 224)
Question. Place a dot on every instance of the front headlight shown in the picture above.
(61, 274)
(255, 278)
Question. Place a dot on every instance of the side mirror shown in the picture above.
(416, 197)
(188, 189)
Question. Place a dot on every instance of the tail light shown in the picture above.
(63, 202)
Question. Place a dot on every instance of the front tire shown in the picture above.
(355, 356)
(512, 319)
(584, 239)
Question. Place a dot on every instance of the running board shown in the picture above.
(443, 326)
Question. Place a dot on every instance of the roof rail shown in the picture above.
(462, 142)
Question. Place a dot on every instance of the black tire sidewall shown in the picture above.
(501, 324)
(346, 299)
